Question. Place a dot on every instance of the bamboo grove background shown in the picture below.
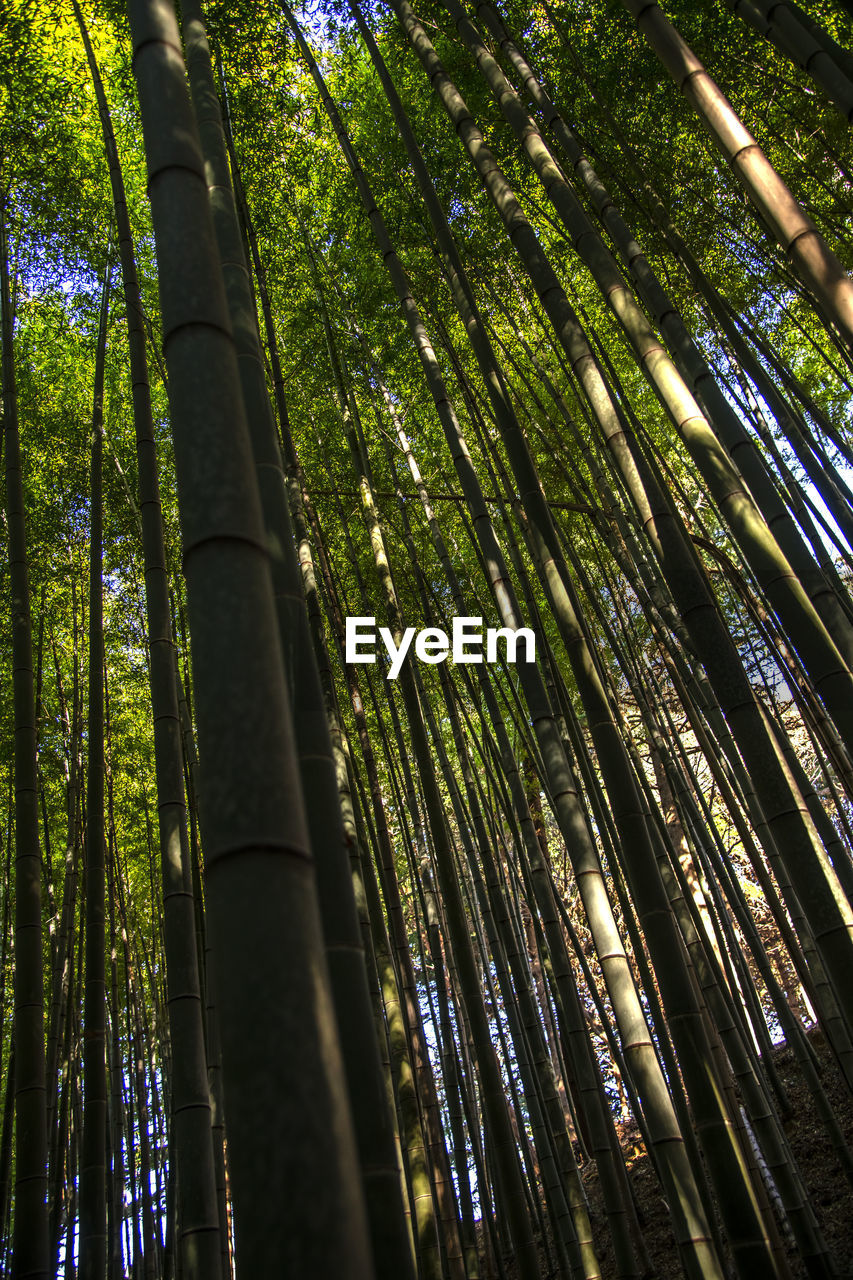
(537, 314)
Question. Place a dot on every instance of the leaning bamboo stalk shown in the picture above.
(781, 26)
(814, 261)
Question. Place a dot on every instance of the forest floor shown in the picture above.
(830, 1193)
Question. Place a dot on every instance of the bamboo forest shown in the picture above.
(426, 661)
